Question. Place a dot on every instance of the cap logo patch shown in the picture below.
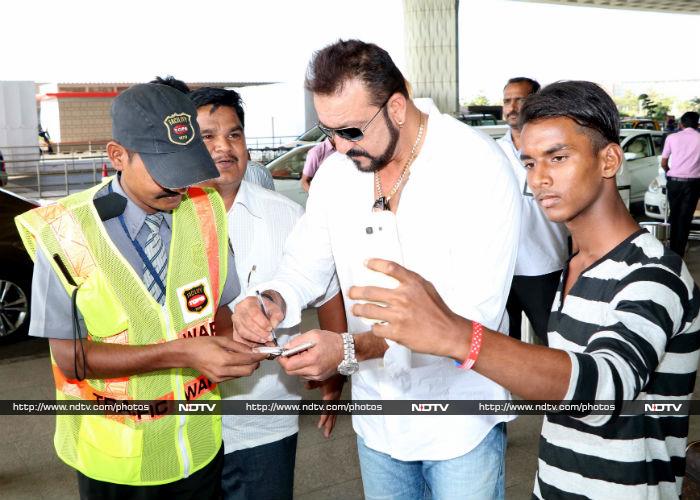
(180, 129)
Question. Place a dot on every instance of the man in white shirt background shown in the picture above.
(457, 211)
(543, 247)
(260, 449)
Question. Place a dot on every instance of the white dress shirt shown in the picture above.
(458, 224)
(259, 222)
(543, 247)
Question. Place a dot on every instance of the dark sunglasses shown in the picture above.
(352, 134)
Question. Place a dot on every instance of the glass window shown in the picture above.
(658, 141)
(312, 135)
(640, 145)
(290, 167)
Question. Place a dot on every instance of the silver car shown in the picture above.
(642, 149)
(286, 173)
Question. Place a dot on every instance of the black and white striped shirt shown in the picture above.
(630, 326)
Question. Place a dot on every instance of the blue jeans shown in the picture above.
(479, 474)
(265, 472)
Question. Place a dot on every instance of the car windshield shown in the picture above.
(290, 165)
(314, 134)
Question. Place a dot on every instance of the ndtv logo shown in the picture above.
(662, 407)
(194, 407)
(430, 407)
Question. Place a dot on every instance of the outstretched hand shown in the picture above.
(415, 315)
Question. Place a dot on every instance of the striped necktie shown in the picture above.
(155, 251)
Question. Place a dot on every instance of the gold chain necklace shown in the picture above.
(382, 201)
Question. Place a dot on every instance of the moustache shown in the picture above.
(226, 158)
(167, 194)
(357, 154)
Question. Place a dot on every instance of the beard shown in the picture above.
(376, 163)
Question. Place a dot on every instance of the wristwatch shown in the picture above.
(349, 365)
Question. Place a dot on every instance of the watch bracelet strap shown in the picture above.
(349, 347)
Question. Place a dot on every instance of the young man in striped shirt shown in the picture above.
(624, 323)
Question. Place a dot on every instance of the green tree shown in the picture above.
(627, 105)
(691, 105)
(655, 106)
(480, 100)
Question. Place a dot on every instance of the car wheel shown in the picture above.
(14, 309)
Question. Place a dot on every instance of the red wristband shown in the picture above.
(477, 334)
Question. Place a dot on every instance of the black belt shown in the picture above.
(683, 179)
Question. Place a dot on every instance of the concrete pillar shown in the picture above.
(431, 51)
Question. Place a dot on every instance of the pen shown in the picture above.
(250, 274)
(264, 310)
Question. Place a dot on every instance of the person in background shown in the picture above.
(314, 158)
(260, 450)
(543, 247)
(682, 149)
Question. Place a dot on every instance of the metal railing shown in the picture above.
(39, 175)
(49, 178)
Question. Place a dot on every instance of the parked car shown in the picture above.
(495, 131)
(655, 202)
(15, 271)
(642, 150)
(640, 123)
(478, 119)
(311, 136)
(286, 173)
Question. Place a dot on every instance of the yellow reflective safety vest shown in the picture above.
(117, 308)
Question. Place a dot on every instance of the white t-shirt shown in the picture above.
(259, 222)
(543, 246)
(458, 223)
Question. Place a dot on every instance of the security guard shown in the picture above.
(128, 279)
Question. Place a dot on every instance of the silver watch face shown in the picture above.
(348, 367)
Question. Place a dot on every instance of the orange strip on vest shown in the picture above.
(198, 387)
(83, 390)
(207, 226)
(71, 238)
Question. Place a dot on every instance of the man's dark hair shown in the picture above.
(534, 84)
(173, 82)
(217, 97)
(690, 119)
(331, 67)
(583, 102)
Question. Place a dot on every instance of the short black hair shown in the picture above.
(173, 82)
(331, 67)
(217, 97)
(534, 84)
(583, 102)
(690, 119)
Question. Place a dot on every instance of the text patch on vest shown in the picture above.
(195, 300)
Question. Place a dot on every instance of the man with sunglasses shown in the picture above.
(457, 211)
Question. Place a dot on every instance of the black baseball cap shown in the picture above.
(160, 124)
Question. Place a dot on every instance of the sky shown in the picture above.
(272, 40)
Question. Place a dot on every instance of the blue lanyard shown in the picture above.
(139, 249)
